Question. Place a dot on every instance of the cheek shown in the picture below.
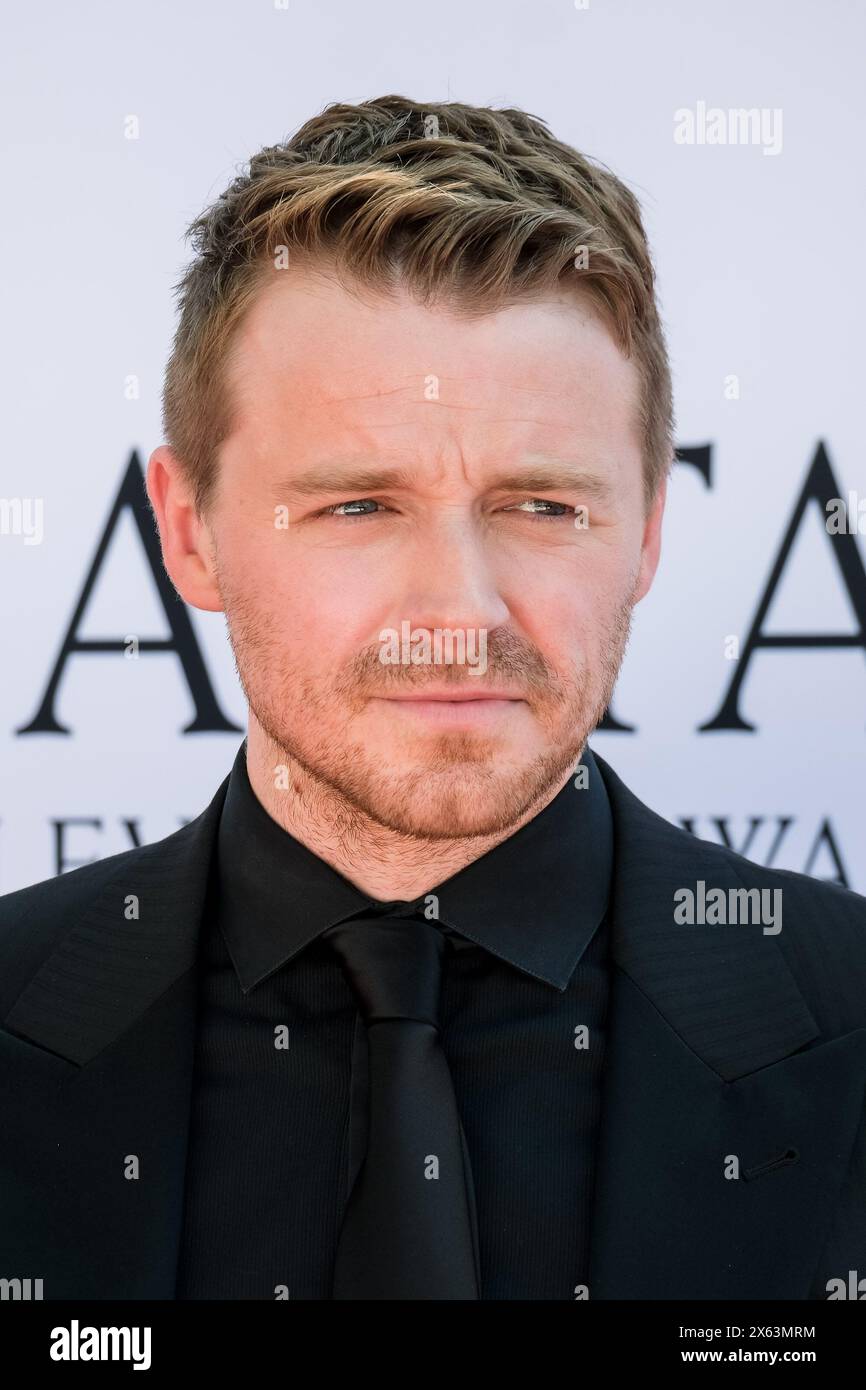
(572, 620)
(325, 613)
(566, 606)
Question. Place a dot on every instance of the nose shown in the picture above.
(450, 580)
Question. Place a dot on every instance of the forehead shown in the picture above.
(315, 357)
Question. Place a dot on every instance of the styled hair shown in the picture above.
(470, 206)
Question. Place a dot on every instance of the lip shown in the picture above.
(453, 696)
(466, 709)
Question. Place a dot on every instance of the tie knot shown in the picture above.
(394, 965)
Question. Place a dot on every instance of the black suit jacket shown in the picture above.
(727, 1047)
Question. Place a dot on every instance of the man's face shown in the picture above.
(400, 470)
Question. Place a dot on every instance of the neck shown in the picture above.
(386, 864)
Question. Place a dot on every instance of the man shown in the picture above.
(426, 1004)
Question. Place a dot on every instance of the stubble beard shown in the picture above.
(464, 787)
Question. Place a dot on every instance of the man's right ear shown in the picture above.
(187, 545)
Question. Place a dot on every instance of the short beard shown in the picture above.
(463, 790)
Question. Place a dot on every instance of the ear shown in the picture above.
(651, 543)
(187, 543)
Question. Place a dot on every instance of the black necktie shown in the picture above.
(409, 1230)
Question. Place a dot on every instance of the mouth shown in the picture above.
(454, 695)
(464, 707)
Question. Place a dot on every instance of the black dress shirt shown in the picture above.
(525, 985)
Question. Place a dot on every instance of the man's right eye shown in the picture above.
(336, 508)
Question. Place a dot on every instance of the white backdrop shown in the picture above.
(760, 260)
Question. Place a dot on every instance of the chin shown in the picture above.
(446, 817)
(466, 800)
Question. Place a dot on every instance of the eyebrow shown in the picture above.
(538, 476)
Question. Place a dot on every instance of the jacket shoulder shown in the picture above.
(822, 931)
(818, 902)
(819, 927)
(34, 919)
(821, 905)
(822, 937)
(827, 898)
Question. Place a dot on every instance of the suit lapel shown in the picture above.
(96, 1068)
(709, 1070)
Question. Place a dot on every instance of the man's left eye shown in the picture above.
(534, 502)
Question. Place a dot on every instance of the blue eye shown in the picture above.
(565, 509)
(334, 510)
(359, 507)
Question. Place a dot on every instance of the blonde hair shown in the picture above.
(475, 207)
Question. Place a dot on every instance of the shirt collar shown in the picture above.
(534, 900)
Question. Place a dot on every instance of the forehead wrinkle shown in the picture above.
(416, 377)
